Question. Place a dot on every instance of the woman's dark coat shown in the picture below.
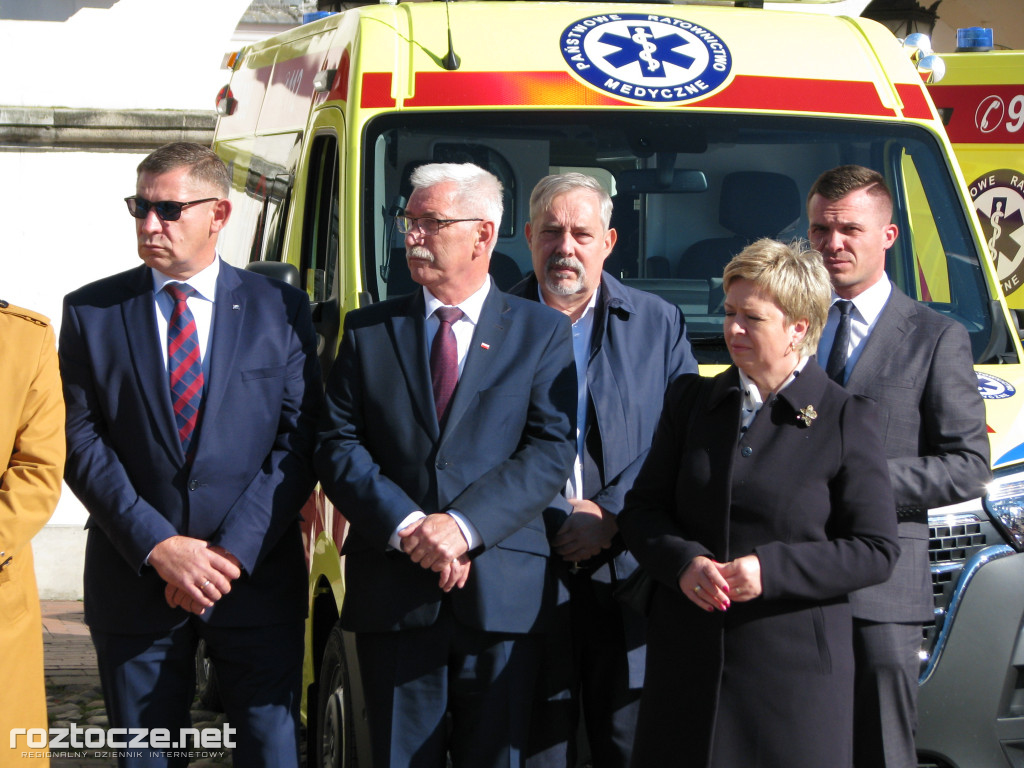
(768, 682)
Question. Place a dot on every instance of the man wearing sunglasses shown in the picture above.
(192, 391)
(448, 429)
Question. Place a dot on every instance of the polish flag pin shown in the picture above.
(484, 345)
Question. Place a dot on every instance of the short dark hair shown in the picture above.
(838, 182)
(203, 163)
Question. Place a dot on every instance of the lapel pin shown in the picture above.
(807, 415)
(484, 345)
(236, 306)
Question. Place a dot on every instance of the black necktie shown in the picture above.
(836, 368)
(444, 359)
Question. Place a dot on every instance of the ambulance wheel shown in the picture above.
(207, 690)
(334, 710)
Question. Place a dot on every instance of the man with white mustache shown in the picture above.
(628, 346)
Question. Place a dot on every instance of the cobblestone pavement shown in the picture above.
(73, 693)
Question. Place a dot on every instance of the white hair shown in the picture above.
(476, 191)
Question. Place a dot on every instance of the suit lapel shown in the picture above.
(139, 316)
(408, 334)
(488, 338)
(229, 310)
(886, 337)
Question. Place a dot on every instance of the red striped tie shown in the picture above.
(184, 366)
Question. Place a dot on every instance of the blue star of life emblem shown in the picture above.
(647, 57)
(652, 52)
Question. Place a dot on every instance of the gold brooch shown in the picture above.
(807, 415)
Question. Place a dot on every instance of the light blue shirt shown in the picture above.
(582, 332)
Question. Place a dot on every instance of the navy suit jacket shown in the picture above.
(252, 469)
(507, 446)
(917, 366)
(639, 346)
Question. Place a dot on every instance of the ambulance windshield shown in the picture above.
(689, 191)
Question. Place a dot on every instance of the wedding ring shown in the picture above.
(697, 588)
(203, 585)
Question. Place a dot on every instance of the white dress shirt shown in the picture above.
(864, 313)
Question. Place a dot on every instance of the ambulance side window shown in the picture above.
(930, 259)
(320, 237)
(269, 230)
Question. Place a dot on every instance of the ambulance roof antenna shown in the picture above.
(451, 60)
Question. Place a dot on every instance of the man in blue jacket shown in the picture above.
(192, 393)
(628, 346)
(447, 428)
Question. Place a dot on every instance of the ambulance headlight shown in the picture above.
(1004, 502)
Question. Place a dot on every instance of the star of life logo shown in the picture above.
(993, 388)
(647, 57)
(999, 204)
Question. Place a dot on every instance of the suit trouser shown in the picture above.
(149, 682)
(447, 690)
(885, 694)
(585, 670)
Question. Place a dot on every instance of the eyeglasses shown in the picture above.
(166, 210)
(424, 225)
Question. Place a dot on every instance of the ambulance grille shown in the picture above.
(951, 543)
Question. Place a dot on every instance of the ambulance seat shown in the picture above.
(752, 205)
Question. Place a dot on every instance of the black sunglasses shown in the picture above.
(166, 210)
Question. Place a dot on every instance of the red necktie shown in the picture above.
(184, 366)
(444, 360)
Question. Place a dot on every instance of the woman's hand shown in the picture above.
(743, 577)
(702, 583)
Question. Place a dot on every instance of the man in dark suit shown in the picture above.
(628, 346)
(192, 394)
(448, 429)
(917, 365)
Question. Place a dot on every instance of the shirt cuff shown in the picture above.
(469, 533)
(395, 542)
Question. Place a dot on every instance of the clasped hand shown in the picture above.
(436, 543)
(712, 585)
(587, 531)
(197, 573)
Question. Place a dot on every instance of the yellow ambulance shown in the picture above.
(981, 99)
(708, 122)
